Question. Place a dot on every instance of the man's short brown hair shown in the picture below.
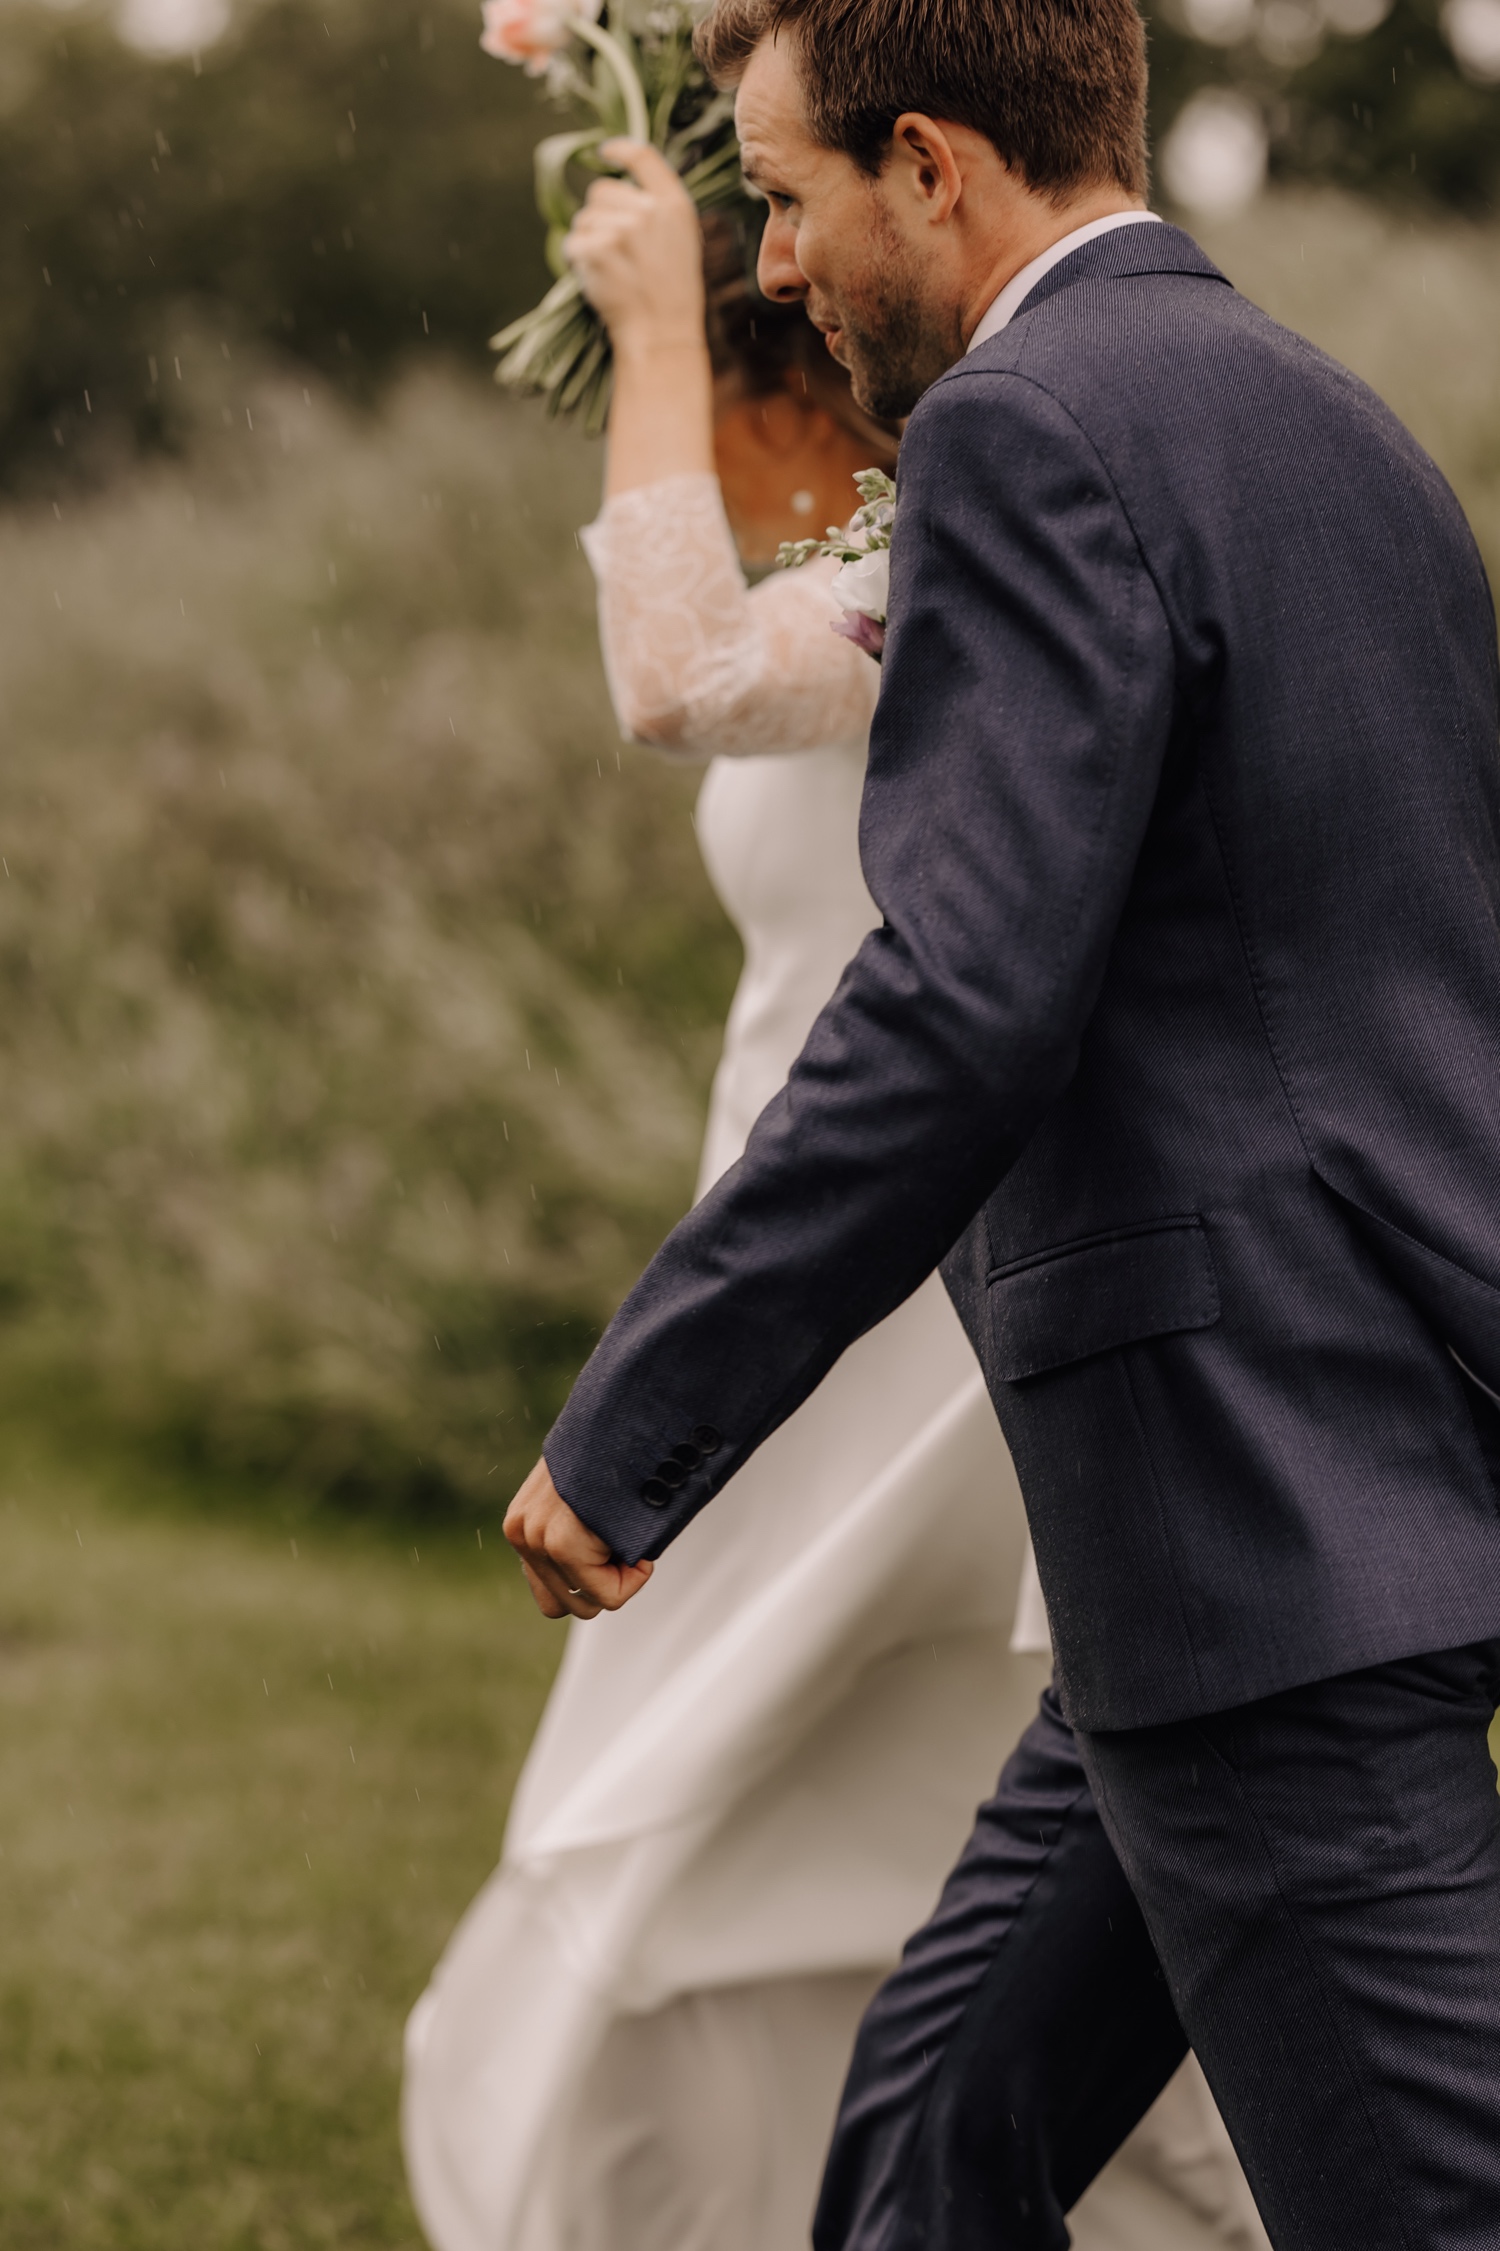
(1059, 86)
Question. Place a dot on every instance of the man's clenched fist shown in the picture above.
(567, 1566)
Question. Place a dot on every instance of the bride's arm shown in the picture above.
(698, 664)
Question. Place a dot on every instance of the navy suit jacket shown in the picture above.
(1179, 1046)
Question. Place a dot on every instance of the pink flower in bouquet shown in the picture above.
(531, 31)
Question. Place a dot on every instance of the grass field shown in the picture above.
(252, 1765)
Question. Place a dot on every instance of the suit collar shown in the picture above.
(1121, 254)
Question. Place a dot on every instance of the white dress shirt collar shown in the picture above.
(1020, 285)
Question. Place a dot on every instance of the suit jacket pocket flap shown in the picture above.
(1091, 1296)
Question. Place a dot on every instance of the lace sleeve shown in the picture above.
(701, 665)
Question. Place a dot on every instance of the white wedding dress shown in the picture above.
(748, 1785)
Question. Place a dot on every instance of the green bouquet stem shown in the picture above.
(637, 122)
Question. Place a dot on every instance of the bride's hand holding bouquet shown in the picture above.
(631, 63)
(637, 251)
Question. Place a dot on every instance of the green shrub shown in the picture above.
(358, 992)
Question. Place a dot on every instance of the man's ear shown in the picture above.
(923, 166)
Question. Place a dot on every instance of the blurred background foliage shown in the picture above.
(335, 182)
(357, 1002)
(359, 991)
(1354, 93)
(343, 181)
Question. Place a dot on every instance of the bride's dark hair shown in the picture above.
(761, 347)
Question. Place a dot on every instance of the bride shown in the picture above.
(747, 1788)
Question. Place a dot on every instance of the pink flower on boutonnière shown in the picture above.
(867, 633)
(531, 31)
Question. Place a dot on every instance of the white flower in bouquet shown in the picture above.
(631, 62)
(862, 588)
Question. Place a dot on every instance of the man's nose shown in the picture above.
(776, 269)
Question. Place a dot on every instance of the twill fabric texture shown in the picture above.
(1027, 2030)
(1321, 1873)
(1179, 1041)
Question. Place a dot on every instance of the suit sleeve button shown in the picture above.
(671, 1473)
(707, 1439)
(690, 1456)
(654, 1493)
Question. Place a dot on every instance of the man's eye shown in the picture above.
(777, 200)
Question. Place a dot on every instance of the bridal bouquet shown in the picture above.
(862, 587)
(631, 63)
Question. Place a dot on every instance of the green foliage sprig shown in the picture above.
(867, 532)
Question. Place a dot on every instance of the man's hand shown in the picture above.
(567, 1566)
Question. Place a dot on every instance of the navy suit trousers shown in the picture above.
(1308, 1887)
(1027, 2030)
(1321, 1874)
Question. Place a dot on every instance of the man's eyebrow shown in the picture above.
(751, 171)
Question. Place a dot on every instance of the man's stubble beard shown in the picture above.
(892, 341)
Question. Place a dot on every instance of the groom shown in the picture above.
(1179, 1047)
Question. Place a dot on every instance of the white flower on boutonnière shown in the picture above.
(862, 588)
(865, 586)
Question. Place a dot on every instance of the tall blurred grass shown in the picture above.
(359, 992)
